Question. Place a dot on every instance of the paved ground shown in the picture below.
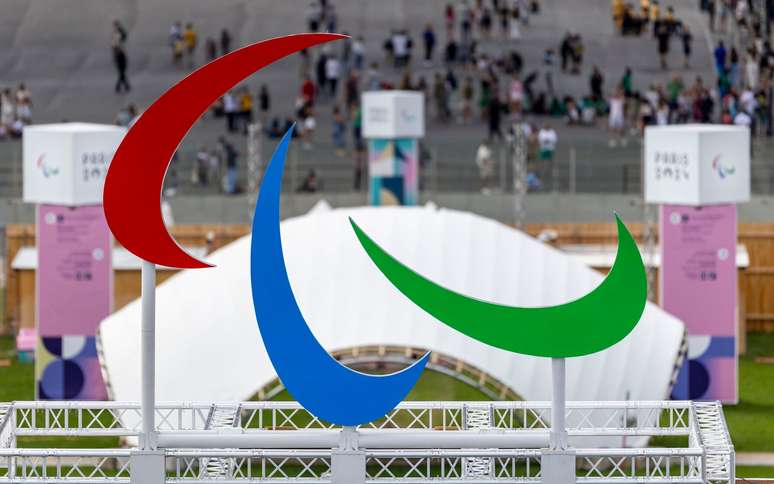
(63, 54)
(755, 459)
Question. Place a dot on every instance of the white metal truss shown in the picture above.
(478, 417)
(220, 417)
(64, 465)
(708, 457)
(714, 438)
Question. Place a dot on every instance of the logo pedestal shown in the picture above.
(558, 466)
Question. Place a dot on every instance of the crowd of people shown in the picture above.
(183, 41)
(15, 111)
(740, 93)
(468, 63)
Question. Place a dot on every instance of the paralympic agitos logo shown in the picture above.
(321, 384)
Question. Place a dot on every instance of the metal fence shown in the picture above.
(419, 442)
(578, 167)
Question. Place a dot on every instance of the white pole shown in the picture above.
(148, 355)
(558, 437)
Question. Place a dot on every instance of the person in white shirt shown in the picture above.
(485, 164)
(662, 114)
(616, 118)
(547, 140)
(230, 109)
(332, 73)
(747, 100)
(358, 52)
(752, 72)
(742, 119)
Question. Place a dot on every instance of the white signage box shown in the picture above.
(66, 164)
(393, 114)
(697, 164)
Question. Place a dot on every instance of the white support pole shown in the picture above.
(148, 356)
(558, 436)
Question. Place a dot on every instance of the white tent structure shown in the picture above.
(209, 347)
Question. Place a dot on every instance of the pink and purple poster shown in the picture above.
(699, 286)
(74, 293)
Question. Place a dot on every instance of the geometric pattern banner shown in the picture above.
(393, 170)
(74, 280)
(699, 286)
(68, 368)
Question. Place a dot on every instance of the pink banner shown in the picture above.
(74, 293)
(699, 286)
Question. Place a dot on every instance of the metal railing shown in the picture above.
(643, 418)
(418, 442)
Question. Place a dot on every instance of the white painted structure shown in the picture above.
(66, 164)
(393, 114)
(210, 348)
(697, 164)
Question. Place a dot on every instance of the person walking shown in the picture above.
(351, 92)
(225, 42)
(616, 119)
(332, 73)
(23, 104)
(230, 156)
(428, 37)
(485, 163)
(359, 158)
(720, 57)
(230, 110)
(358, 53)
(264, 103)
(245, 109)
(687, 39)
(467, 100)
(663, 35)
(547, 140)
(121, 62)
(495, 117)
(596, 83)
(176, 42)
(189, 41)
(211, 49)
(339, 131)
(119, 34)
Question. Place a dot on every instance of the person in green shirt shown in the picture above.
(674, 88)
(626, 82)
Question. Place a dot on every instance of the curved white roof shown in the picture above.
(209, 347)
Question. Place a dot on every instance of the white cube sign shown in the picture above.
(66, 164)
(697, 164)
(393, 114)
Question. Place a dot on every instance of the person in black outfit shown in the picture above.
(663, 34)
(120, 60)
(596, 81)
(495, 115)
(428, 36)
(687, 38)
(225, 41)
(264, 102)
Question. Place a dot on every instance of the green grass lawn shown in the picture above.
(17, 380)
(431, 386)
(751, 422)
